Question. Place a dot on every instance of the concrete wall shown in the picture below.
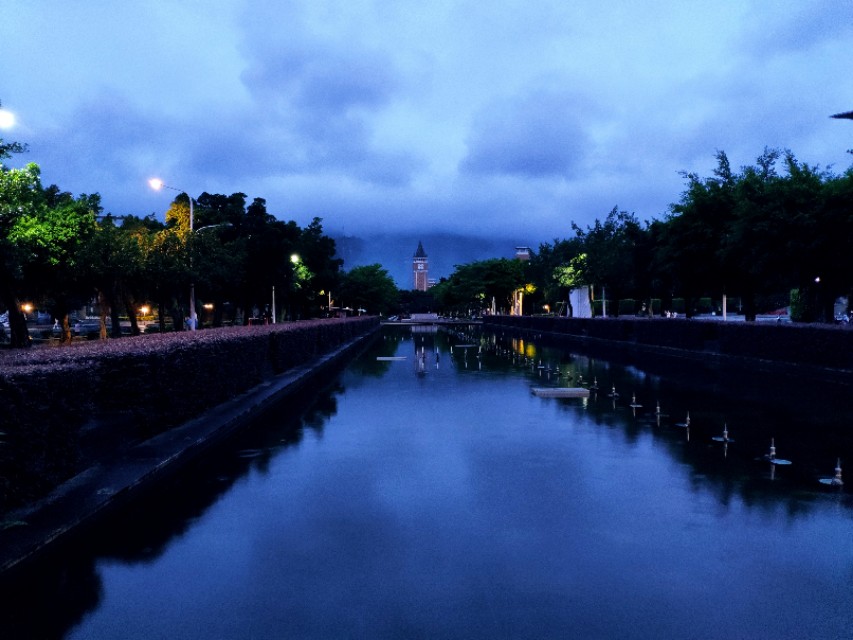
(824, 346)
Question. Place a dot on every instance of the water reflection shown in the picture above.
(52, 595)
(434, 496)
(812, 416)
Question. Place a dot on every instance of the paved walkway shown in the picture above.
(32, 529)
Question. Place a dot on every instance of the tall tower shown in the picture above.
(420, 268)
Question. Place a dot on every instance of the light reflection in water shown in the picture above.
(437, 497)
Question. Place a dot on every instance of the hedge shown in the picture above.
(128, 389)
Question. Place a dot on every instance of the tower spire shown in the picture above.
(420, 268)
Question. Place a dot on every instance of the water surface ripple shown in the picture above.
(436, 497)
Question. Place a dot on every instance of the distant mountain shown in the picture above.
(444, 250)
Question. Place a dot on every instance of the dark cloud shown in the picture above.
(321, 78)
(800, 27)
(105, 140)
(323, 99)
(533, 135)
(426, 116)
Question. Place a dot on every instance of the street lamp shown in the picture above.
(847, 115)
(157, 184)
(7, 118)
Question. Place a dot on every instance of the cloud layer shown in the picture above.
(499, 119)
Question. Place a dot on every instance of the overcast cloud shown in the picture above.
(462, 117)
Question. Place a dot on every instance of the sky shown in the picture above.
(504, 118)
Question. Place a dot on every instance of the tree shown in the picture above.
(694, 251)
(317, 252)
(19, 195)
(52, 237)
(835, 225)
(610, 249)
(8, 149)
(114, 259)
(571, 276)
(371, 288)
(756, 233)
(544, 262)
(472, 287)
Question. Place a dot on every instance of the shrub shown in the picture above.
(627, 307)
(802, 309)
(135, 387)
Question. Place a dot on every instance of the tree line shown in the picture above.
(62, 252)
(774, 234)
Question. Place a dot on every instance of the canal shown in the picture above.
(426, 492)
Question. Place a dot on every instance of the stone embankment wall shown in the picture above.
(114, 393)
(820, 346)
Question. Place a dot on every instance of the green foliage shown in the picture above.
(472, 287)
(53, 234)
(369, 287)
(322, 268)
(803, 307)
(704, 305)
(627, 307)
(7, 149)
(543, 263)
(19, 195)
(752, 234)
(610, 249)
(573, 274)
(59, 251)
(413, 301)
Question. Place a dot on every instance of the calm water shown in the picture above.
(439, 498)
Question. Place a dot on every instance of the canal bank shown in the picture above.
(36, 528)
(820, 352)
(448, 501)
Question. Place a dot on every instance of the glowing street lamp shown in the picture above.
(157, 185)
(7, 118)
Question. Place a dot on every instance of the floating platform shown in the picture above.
(389, 358)
(560, 392)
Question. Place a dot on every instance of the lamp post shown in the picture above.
(847, 115)
(157, 184)
(294, 260)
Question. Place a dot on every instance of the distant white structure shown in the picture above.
(424, 317)
(579, 302)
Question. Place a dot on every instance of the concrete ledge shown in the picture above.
(29, 531)
(775, 348)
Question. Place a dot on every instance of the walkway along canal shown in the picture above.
(427, 492)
